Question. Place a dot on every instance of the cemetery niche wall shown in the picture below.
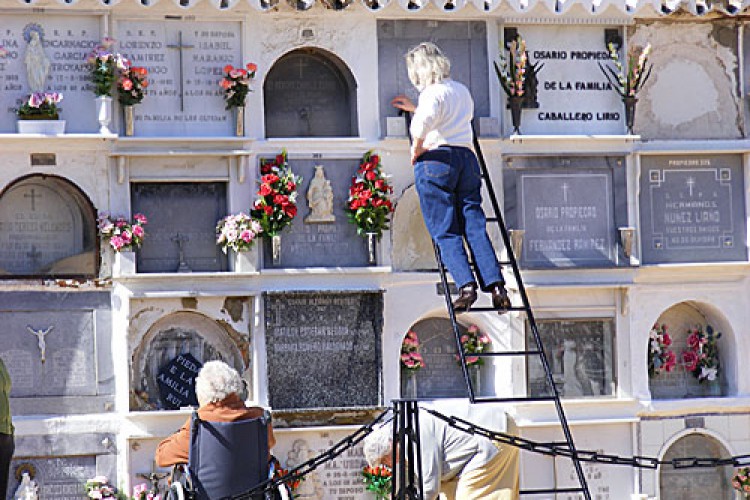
(692, 208)
(182, 220)
(310, 92)
(169, 355)
(570, 209)
(47, 228)
(700, 483)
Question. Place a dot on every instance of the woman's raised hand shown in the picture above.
(404, 103)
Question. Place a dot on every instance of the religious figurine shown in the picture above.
(28, 489)
(40, 339)
(311, 488)
(37, 62)
(320, 198)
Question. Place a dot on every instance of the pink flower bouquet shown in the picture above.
(701, 358)
(122, 234)
(411, 359)
(660, 356)
(473, 342)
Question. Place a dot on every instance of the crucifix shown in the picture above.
(690, 184)
(32, 194)
(154, 477)
(565, 188)
(179, 47)
(181, 239)
(40, 334)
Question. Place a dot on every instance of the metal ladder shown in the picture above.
(526, 308)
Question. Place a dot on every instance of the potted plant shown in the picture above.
(368, 205)
(276, 205)
(104, 65)
(123, 237)
(701, 358)
(378, 480)
(411, 363)
(236, 85)
(39, 114)
(517, 76)
(628, 80)
(741, 481)
(238, 233)
(474, 342)
(660, 357)
(131, 89)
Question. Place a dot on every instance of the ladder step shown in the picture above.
(551, 490)
(486, 308)
(519, 399)
(505, 262)
(505, 353)
(491, 219)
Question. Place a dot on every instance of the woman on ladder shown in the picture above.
(447, 175)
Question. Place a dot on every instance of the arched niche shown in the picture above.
(691, 483)
(679, 383)
(179, 333)
(47, 228)
(412, 244)
(442, 376)
(310, 92)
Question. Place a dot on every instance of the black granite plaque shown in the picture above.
(181, 231)
(464, 42)
(176, 382)
(61, 478)
(324, 349)
(321, 244)
(692, 208)
(309, 93)
(579, 353)
(442, 376)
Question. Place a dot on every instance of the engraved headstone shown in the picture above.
(700, 483)
(310, 93)
(185, 61)
(44, 229)
(441, 377)
(69, 366)
(65, 42)
(176, 382)
(692, 208)
(330, 244)
(579, 353)
(61, 478)
(181, 226)
(323, 349)
(464, 42)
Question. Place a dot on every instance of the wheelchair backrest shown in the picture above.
(227, 458)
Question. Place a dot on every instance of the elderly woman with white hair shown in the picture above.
(451, 458)
(447, 175)
(219, 389)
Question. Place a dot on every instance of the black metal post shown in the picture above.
(406, 454)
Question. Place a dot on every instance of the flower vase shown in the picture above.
(244, 261)
(629, 103)
(276, 249)
(43, 127)
(475, 378)
(239, 126)
(515, 103)
(409, 384)
(124, 263)
(372, 243)
(712, 388)
(128, 112)
(104, 113)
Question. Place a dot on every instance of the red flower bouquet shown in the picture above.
(236, 84)
(660, 356)
(368, 205)
(276, 204)
(701, 358)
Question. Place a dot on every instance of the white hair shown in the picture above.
(378, 444)
(426, 64)
(216, 381)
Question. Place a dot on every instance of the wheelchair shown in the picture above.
(226, 459)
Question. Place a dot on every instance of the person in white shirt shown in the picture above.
(447, 175)
(479, 468)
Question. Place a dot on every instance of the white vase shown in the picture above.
(42, 127)
(476, 379)
(104, 113)
(276, 249)
(408, 384)
(372, 245)
(246, 262)
(124, 264)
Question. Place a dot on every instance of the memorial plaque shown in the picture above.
(45, 229)
(324, 349)
(64, 339)
(66, 41)
(441, 377)
(176, 382)
(695, 484)
(574, 96)
(692, 209)
(61, 478)
(328, 244)
(579, 353)
(181, 231)
(464, 42)
(309, 93)
(185, 61)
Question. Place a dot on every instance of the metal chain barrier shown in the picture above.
(305, 468)
(560, 449)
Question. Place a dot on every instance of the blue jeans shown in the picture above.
(449, 187)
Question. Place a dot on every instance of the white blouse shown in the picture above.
(443, 115)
